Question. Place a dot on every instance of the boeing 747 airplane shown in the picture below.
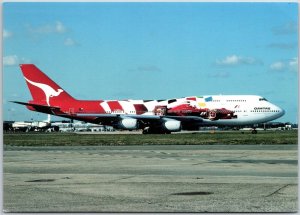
(153, 116)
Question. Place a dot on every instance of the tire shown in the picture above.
(254, 131)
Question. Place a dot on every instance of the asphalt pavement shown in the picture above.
(153, 178)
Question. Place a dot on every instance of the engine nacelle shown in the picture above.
(172, 125)
(128, 124)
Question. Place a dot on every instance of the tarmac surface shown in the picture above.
(153, 178)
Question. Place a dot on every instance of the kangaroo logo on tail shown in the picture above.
(49, 91)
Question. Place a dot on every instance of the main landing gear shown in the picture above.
(254, 131)
(149, 130)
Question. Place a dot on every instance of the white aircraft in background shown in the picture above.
(153, 116)
(31, 125)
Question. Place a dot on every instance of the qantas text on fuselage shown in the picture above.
(153, 116)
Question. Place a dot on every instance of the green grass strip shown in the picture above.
(73, 139)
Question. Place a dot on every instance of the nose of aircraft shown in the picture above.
(281, 112)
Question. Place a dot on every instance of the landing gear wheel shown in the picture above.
(254, 131)
(146, 130)
(150, 130)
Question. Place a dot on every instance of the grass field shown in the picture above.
(73, 139)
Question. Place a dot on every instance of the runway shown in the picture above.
(151, 178)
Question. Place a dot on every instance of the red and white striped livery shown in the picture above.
(153, 116)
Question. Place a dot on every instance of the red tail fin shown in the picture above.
(43, 90)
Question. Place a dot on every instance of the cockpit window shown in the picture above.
(171, 101)
(263, 99)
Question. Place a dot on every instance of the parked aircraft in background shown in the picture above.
(153, 116)
(31, 125)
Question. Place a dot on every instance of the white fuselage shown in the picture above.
(248, 109)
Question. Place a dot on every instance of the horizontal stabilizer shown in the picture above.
(38, 107)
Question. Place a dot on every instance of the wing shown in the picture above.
(109, 119)
(187, 121)
(141, 117)
(40, 108)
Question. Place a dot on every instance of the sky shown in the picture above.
(153, 51)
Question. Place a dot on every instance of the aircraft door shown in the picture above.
(71, 110)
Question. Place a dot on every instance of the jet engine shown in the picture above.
(127, 123)
(171, 125)
(165, 126)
